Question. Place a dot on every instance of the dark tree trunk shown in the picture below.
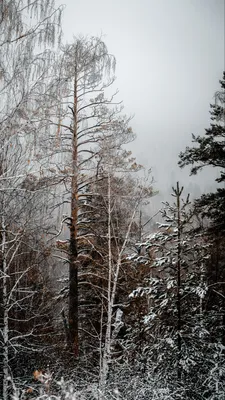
(73, 264)
(178, 193)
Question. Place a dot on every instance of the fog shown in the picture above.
(170, 57)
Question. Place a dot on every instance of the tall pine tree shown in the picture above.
(209, 150)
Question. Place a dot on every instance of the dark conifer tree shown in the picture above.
(209, 150)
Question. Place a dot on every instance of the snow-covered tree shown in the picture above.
(28, 31)
(177, 288)
(24, 291)
(209, 150)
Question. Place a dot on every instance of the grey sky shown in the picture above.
(170, 56)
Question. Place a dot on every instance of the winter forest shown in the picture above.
(99, 300)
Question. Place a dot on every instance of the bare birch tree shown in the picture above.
(123, 197)
(22, 251)
(28, 30)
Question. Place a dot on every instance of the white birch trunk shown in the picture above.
(112, 287)
(106, 352)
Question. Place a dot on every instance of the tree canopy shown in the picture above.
(209, 150)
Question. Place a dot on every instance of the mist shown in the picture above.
(170, 57)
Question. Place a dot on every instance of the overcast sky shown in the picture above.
(170, 57)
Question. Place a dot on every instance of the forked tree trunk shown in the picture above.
(113, 276)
